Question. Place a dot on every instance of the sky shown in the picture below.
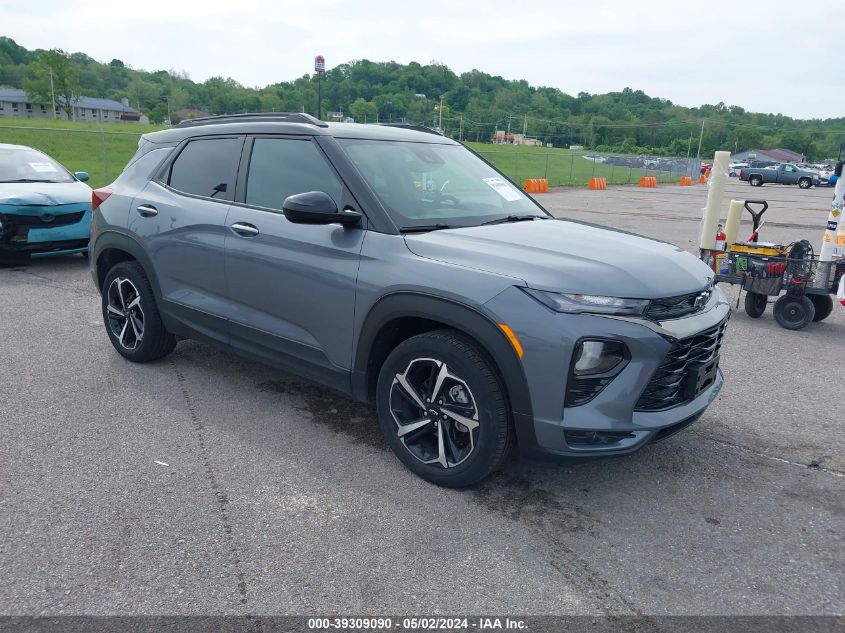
(778, 56)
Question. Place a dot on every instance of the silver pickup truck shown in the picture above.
(783, 174)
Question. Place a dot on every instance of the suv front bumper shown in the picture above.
(612, 423)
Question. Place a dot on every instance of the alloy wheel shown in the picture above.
(435, 413)
(124, 313)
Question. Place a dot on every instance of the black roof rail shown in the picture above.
(268, 117)
(413, 126)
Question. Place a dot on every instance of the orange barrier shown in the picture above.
(536, 185)
(702, 179)
(597, 183)
(686, 181)
(648, 181)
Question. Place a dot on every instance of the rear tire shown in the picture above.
(755, 181)
(755, 304)
(131, 315)
(823, 305)
(443, 409)
(794, 313)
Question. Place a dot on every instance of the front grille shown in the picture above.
(670, 384)
(677, 307)
(44, 221)
(577, 439)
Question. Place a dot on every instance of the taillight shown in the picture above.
(741, 172)
(98, 197)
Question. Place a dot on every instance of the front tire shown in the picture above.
(14, 259)
(755, 304)
(443, 409)
(794, 313)
(805, 183)
(131, 315)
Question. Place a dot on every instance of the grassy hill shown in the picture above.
(103, 151)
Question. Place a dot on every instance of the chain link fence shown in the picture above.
(576, 167)
(103, 151)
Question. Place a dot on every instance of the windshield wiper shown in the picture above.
(514, 218)
(30, 180)
(424, 228)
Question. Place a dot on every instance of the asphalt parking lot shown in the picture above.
(206, 484)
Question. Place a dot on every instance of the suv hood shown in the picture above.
(568, 256)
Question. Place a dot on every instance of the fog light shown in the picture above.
(597, 357)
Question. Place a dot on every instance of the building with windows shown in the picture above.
(772, 156)
(15, 104)
(500, 137)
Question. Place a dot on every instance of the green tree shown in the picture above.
(57, 65)
(158, 114)
(363, 110)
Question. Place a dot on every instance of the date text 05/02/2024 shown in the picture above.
(415, 624)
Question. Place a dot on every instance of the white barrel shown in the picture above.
(834, 222)
(733, 222)
(715, 194)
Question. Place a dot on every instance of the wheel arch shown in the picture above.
(399, 316)
(112, 248)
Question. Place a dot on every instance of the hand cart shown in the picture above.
(766, 270)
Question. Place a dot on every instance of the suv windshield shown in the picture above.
(29, 165)
(441, 186)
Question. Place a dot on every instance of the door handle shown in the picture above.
(244, 229)
(147, 210)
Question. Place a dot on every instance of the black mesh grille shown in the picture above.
(43, 221)
(669, 385)
(595, 438)
(677, 307)
(581, 390)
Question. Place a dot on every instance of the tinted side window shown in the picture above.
(282, 167)
(207, 167)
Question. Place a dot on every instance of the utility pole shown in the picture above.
(52, 92)
(689, 149)
(440, 112)
(700, 138)
(461, 133)
(525, 128)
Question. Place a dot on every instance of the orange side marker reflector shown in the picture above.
(517, 346)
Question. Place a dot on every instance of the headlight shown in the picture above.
(589, 304)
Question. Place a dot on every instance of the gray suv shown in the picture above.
(397, 266)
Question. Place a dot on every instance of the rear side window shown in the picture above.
(282, 167)
(207, 167)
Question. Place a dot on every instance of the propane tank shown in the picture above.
(721, 238)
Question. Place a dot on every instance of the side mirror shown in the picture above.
(81, 176)
(316, 207)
